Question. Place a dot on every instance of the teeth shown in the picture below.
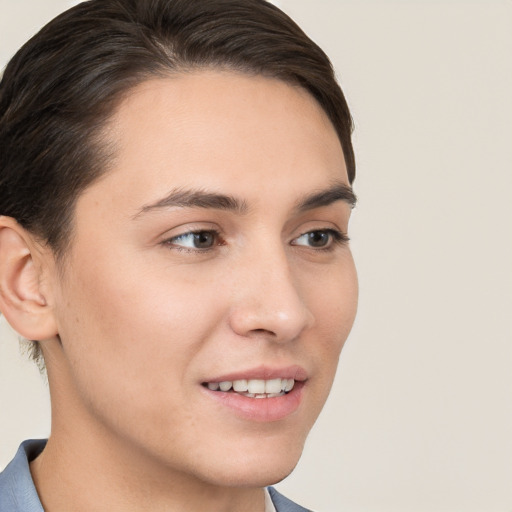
(240, 386)
(263, 395)
(225, 386)
(273, 386)
(255, 388)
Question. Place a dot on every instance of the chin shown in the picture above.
(253, 477)
(258, 467)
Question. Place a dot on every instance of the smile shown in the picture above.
(254, 388)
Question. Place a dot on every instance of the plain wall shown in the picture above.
(420, 417)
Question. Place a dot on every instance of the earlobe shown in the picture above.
(21, 299)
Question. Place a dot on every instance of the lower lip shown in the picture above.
(260, 409)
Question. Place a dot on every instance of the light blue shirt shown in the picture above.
(18, 492)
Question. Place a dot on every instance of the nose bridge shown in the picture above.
(268, 299)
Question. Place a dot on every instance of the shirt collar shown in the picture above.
(269, 505)
(18, 489)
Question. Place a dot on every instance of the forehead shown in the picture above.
(221, 131)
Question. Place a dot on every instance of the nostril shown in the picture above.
(281, 316)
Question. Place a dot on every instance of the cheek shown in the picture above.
(333, 298)
(333, 301)
(134, 334)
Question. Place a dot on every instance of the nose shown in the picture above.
(267, 299)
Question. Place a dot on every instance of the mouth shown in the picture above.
(254, 388)
(262, 394)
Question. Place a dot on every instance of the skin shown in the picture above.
(144, 318)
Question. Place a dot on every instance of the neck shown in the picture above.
(84, 476)
(87, 467)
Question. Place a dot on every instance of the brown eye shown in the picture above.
(321, 239)
(200, 240)
(318, 238)
(204, 239)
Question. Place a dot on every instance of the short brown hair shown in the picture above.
(62, 86)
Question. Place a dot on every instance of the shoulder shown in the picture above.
(18, 493)
(283, 504)
(17, 490)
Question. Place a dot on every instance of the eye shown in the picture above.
(200, 240)
(321, 238)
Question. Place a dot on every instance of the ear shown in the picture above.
(22, 300)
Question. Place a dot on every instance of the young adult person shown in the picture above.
(175, 193)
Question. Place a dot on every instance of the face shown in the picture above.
(212, 254)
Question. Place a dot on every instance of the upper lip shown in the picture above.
(295, 372)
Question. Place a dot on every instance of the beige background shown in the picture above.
(420, 418)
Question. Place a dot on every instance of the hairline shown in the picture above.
(107, 147)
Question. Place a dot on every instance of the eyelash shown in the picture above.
(337, 238)
(216, 235)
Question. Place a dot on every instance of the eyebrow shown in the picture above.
(197, 199)
(338, 192)
(201, 199)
